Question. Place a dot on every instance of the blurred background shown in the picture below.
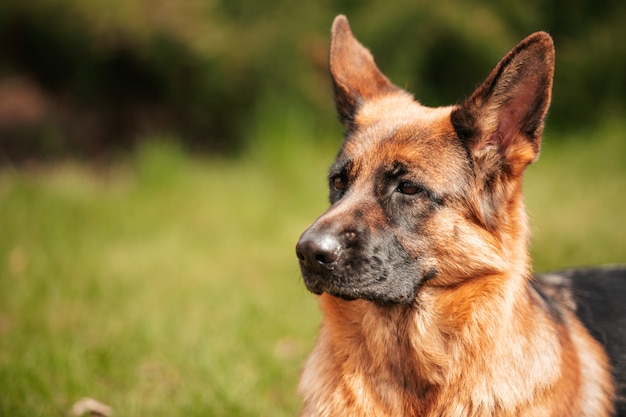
(89, 78)
(159, 159)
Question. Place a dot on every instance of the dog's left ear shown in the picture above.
(356, 78)
(502, 122)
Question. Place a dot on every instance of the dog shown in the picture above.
(421, 261)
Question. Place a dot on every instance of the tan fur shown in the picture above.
(479, 341)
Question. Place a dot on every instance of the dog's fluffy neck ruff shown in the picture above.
(428, 359)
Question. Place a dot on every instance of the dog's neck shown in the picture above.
(429, 347)
(514, 232)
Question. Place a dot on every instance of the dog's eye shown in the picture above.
(409, 188)
(338, 183)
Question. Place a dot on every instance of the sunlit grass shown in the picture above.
(576, 197)
(167, 284)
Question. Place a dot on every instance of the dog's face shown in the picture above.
(417, 194)
(394, 190)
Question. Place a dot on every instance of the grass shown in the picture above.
(167, 285)
(576, 197)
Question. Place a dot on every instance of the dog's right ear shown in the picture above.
(501, 124)
(503, 120)
(356, 78)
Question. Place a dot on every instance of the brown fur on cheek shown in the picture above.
(456, 244)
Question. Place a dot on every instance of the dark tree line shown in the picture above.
(90, 78)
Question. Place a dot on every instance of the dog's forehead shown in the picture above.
(399, 129)
(396, 121)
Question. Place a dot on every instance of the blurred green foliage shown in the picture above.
(111, 72)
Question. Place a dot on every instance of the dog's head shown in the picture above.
(425, 196)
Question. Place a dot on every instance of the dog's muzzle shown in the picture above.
(318, 252)
(351, 263)
(322, 255)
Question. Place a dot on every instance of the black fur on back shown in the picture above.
(598, 296)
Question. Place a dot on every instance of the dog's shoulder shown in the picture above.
(598, 297)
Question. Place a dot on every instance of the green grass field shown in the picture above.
(167, 285)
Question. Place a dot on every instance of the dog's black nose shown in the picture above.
(318, 251)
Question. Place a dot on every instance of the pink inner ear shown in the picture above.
(520, 112)
(508, 109)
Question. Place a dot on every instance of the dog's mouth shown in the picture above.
(318, 285)
(343, 296)
(350, 291)
(384, 287)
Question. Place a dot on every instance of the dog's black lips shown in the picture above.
(318, 284)
(343, 296)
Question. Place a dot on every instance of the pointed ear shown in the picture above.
(356, 77)
(503, 120)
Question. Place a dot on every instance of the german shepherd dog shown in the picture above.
(422, 267)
